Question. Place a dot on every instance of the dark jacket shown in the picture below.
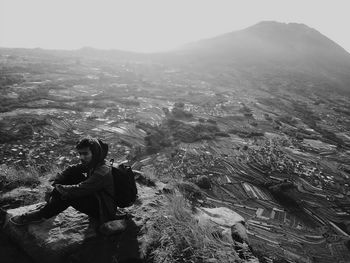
(96, 179)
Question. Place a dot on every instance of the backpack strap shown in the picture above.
(100, 209)
(104, 190)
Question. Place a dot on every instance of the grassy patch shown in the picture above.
(20, 196)
(190, 192)
(147, 176)
(12, 177)
(23, 186)
(176, 236)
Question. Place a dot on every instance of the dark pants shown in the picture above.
(88, 205)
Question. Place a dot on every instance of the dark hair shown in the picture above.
(86, 142)
(98, 148)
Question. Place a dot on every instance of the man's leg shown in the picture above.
(54, 206)
(88, 205)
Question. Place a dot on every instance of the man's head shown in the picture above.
(84, 147)
(85, 155)
(91, 151)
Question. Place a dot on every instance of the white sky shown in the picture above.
(156, 25)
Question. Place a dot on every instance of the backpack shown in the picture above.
(125, 190)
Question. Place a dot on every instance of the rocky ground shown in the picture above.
(72, 237)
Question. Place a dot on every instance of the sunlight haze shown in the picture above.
(155, 25)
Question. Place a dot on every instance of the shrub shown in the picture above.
(179, 105)
(179, 113)
(191, 192)
(245, 109)
(12, 177)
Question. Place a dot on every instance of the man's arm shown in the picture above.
(66, 175)
(92, 184)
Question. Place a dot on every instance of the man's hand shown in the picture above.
(61, 190)
(48, 192)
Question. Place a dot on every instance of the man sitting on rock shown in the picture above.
(88, 187)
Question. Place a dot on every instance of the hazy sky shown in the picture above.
(156, 25)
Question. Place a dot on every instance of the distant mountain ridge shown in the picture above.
(271, 37)
(266, 50)
(270, 46)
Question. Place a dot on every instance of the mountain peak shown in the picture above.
(276, 45)
(272, 39)
(296, 35)
(285, 29)
(275, 24)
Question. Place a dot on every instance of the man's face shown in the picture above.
(85, 155)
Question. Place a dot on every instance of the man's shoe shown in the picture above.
(120, 215)
(27, 218)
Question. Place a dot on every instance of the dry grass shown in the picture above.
(147, 176)
(12, 177)
(23, 186)
(177, 237)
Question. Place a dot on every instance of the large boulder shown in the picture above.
(231, 223)
(72, 237)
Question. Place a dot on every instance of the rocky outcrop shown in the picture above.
(72, 237)
(229, 227)
(231, 223)
(53, 240)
